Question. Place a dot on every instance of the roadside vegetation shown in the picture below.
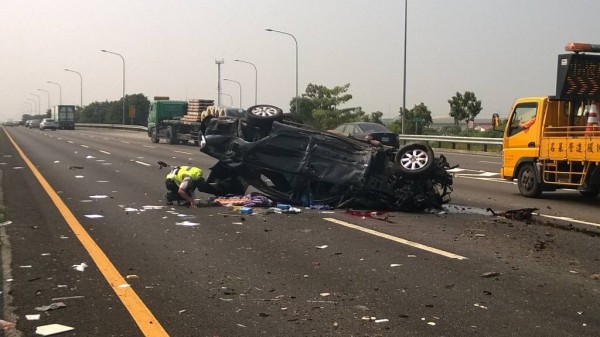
(319, 106)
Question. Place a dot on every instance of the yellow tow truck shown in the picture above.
(553, 142)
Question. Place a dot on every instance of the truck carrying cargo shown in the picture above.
(553, 142)
(64, 115)
(179, 122)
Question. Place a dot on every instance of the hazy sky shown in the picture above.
(499, 49)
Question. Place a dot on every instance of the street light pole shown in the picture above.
(80, 86)
(123, 59)
(38, 102)
(255, 80)
(47, 94)
(404, 72)
(238, 83)
(31, 106)
(296, 41)
(228, 95)
(59, 92)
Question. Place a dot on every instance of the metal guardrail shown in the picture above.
(112, 126)
(453, 140)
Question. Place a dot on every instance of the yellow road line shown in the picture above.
(397, 239)
(138, 310)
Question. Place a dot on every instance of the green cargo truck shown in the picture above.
(168, 120)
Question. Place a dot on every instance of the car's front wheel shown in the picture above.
(414, 159)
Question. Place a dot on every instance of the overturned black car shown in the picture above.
(293, 163)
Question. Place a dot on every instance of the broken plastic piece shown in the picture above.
(51, 306)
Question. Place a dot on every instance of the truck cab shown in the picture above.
(553, 142)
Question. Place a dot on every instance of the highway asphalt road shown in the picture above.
(156, 271)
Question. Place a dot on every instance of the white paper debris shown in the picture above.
(383, 320)
(98, 196)
(56, 161)
(79, 177)
(52, 329)
(129, 209)
(321, 247)
(153, 207)
(395, 265)
(80, 267)
(124, 285)
(34, 317)
(5, 223)
(94, 216)
(90, 157)
(187, 223)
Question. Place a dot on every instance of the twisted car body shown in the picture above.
(293, 163)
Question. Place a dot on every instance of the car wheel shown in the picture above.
(170, 139)
(527, 182)
(414, 159)
(154, 136)
(263, 116)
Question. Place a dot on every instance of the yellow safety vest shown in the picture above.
(180, 173)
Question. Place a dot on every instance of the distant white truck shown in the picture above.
(64, 116)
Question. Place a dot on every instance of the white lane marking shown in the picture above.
(105, 152)
(570, 219)
(141, 163)
(182, 152)
(87, 147)
(397, 239)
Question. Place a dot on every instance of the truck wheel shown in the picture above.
(170, 139)
(154, 136)
(527, 182)
(263, 116)
(414, 159)
(590, 191)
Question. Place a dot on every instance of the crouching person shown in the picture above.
(181, 183)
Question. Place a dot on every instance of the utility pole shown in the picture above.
(219, 62)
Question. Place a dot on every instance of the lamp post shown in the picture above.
(47, 94)
(32, 106)
(238, 83)
(255, 80)
(38, 102)
(228, 95)
(296, 41)
(123, 59)
(80, 86)
(59, 92)
(404, 71)
(29, 105)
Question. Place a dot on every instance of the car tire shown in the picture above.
(154, 136)
(263, 115)
(414, 159)
(527, 182)
(170, 139)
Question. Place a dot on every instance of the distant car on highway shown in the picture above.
(370, 132)
(33, 123)
(48, 123)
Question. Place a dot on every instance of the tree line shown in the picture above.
(319, 106)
